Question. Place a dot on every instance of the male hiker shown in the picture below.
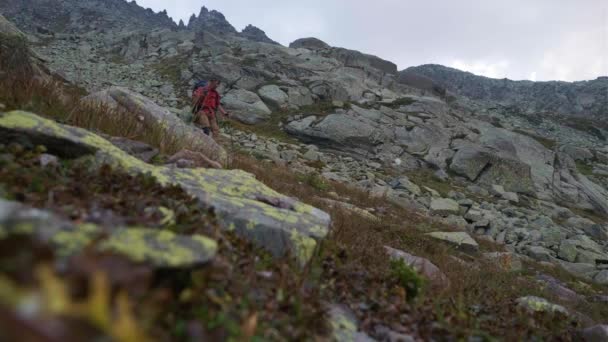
(206, 102)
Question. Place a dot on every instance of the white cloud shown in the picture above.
(533, 76)
(483, 68)
(580, 55)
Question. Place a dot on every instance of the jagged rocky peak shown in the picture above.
(310, 43)
(181, 25)
(256, 34)
(213, 21)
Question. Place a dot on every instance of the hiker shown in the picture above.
(206, 102)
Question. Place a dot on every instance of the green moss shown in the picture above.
(407, 278)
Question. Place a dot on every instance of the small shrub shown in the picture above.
(315, 180)
(584, 168)
(407, 278)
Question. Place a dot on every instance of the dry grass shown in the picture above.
(53, 100)
(480, 300)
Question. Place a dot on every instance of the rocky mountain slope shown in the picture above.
(587, 99)
(467, 168)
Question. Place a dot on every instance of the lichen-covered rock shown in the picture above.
(461, 240)
(343, 325)
(155, 117)
(537, 304)
(159, 248)
(278, 223)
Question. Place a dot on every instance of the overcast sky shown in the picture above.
(519, 39)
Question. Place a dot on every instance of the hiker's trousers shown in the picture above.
(206, 118)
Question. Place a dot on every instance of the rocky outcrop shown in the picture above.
(257, 35)
(309, 43)
(280, 224)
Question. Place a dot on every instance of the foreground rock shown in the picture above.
(156, 247)
(273, 221)
(155, 117)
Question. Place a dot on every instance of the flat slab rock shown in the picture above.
(156, 247)
(280, 224)
(444, 207)
(461, 240)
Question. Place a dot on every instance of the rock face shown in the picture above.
(578, 98)
(280, 224)
(155, 117)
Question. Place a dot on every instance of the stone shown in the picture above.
(461, 240)
(405, 183)
(343, 324)
(421, 265)
(597, 333)
(312, 155)
(280, 224)
(601, 278)
(539, 253)
(48, 160)
(582, 270)
(289, 155)
(558, 289)
(273, 96)
(157, 247)
(577, 153)
(444, 207)
(190, 159)
(139, 150)
(155, 117)
(537, 304)
(246, 106)
(505, 260)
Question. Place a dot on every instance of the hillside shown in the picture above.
(344, 200)
(586, 99)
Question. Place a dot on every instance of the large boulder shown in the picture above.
(246, 106)
(273, 95)
(491, 167)
(280, 224)
(154, 117)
